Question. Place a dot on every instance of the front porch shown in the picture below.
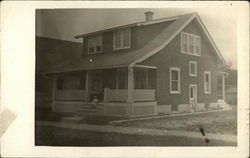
(123, 91)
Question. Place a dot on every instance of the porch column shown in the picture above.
(54, 92)
(87, 87)
(223, 87)
(130, 87)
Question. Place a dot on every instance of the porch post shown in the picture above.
(130, 87)
(54, 92)
(87, 87)
(223, 87)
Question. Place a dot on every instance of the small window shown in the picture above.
(95, 44)
(174, 80)
(190, 44)
(207, 82)
(121, 39)
(192, 68)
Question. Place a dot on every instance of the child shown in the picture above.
(95, 102)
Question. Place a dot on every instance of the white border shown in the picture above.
(17, 82)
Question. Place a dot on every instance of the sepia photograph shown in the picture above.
(121, 79)
(135, 77)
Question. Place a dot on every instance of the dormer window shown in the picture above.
(95, 44)
(190, 44)
(121, 39)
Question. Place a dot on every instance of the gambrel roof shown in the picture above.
(111, 60)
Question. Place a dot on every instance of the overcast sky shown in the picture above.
(67, 23)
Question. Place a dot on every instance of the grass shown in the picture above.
(224, 122)
(51, 136)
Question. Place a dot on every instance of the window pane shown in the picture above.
(98, 49)
(122, 79)
(117, 39)
(197, 46)
(126, 38)
(140, 79)
(184, 42)
(206, 77)
(174, 86)
(193, 68)
(191, 42)
(174, 75)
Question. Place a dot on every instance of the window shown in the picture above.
(174, 80)
(207, 82)
(190, 44)
(192, 68)
(121, 39)
(95, 44)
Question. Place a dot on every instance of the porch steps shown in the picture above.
(222, 104)
(87, 110)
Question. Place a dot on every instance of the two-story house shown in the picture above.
(158, 65)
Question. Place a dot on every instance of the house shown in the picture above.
(155, 66)
(49, 53)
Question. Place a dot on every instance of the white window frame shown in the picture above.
(179, 80)
(95, 38)
(188, 44)
(122, 45)
(209, 83)
(195, 68)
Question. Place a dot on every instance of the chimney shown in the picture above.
(149, 15)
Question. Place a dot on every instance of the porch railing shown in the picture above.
(121, 95)
(72, 95)
(144, 94)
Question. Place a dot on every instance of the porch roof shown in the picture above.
(111, 60)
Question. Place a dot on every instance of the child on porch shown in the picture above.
(95, 101)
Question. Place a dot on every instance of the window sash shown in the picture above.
(190, 44)
(192, 68)
(121, 39)
(174, 82)
(207, 82)
(95, 44)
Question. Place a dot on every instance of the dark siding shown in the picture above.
(139, 37)
(171, 56)
(148, 32)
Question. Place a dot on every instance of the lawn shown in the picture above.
(51, 136)
(224, 122)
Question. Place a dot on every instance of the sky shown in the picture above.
(66, 23)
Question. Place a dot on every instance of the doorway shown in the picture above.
(193, 97)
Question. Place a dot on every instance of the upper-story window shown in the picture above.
(121, 39)
(95, 44)
(190, 44)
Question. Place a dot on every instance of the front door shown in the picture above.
(193, 97)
